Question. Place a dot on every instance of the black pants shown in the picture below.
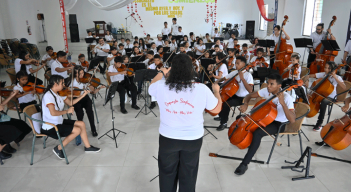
(257, 137)
(233, 101)
(323, 108)
(271, 62)
(121, 89)
(178, 161)
(24, 105)
(86, 104)
(20, 125)
(310, 59)
(31, 79)
(255, 75)
(90, 54)
(96, 61)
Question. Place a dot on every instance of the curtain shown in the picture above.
(113, 6)
(260, 4)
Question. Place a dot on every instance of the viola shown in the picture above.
(30, 87)
(123, 67)
(260, 61)
(95, 82)
(244, 53)
(283, 52)
(237, 47)
(323, 55)
(54, 55)
(264, 113)
(85, 64)
(67, 64)
(67, 92)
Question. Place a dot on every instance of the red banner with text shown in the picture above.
(63, 21)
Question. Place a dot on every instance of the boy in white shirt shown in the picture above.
(123, 42)
(128, 44)
(148, 40)
(208, 38)
(121, 49)
(259, 64)
(216, 50)
(181, 48)
(216, 34)
(222, 70)
(230, 44)
(246, 84)
(116, 76)
(159, 41)
(48, 58)
(57, 67)
(187, 47)
(174, 26)
(180, 32)
(109, 37)
(24, 98)
(218, 42)
(165, 30)
(150, 58)
(153, 48)
(173, 44)
(285, 113)
(245, 53)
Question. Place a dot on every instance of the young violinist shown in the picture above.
(136, 44)
(128, 45)
(218, 42)
(24, 98)
(160, 51)
(259, 58)
(110, 58)
(221, 68)
(173, 44)
(208, 38)
(121, 49)
(57, 68)
(245, 53)
(187, 47)
(245, 80)
(85, 102)
(231, 59)
(200, 47)
(216, 33)
(237, 47)
(180, 32)
(117, 76)
(185, 39)
(294, 70)
(123, 42)
(109, 37)
(159, 40)
(24, 63)
(82, 62)
(53, 111)
(285, 112)
(181, 48)
(136, 52)
(48, 58)
(207, 55)
(194, 61)
(150, 58)
(216, 50)
(153, 48)
(136, 38)
(10, 130)
(334, 79)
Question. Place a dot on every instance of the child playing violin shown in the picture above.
(221, 69)
(84, 63)
(85, 102)
(216, 50)
(334, 79)
(24, 98)
(121, 49)
(245, 53)
(24, 63)
(231, 59)
(119, 76)
(52, 111)
(153, 48)
(181, 48)
(246, 83)
(160, 51)
(49, 57)
(260, 63)
(195, 62)
(57, 68)
(136, 52)
(173, 45)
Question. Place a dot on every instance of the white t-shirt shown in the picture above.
(281, 117)
(317, 38)
(223, 68)
(158, 43)
(166, 31)
(216, 35)
(100, 52)
(276, 39)
(24, 99)
(332, 81)
(201, 48)
(181, 114)
(348, 48)
(259, 65)
(79, 85)
(187, 49)
(48, 63)
(123, 52)
(48, 99)
(247, 56)
(108, 37)
(175, 29)
(298, 76)
(84, 67)
(112, 62)
(179, 33)
(128, 46)
(220, 47)
(152, 66)
(114, 78)
(57, 64)
(242, 92)
(18, 66)
(231, 43)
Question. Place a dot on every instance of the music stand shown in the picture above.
(209, 45)
(111, 94)
(128, 51)
(330, 45)
(266, 43)
(166, 49)
(137, 58)
(148, 46)
(192, 44)
(265, 72)
(303, 43)
(164, 37)
(218, 38)
(89, 40)
(145, 75)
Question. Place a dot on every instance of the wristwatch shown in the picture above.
(101, 48)
(162, 73)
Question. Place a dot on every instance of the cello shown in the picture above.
(264, 113)
(282, 52)
(323, 55)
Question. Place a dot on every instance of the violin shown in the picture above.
(244, 53)
(67, 64)
(30, 87)
(123, 67)
(151, 61)
(321, 88)
(5, 92)
(95, 82)
(283, 52)
(230, 62)
(260, 61)
(161, 54)
(67, 92)
(237, 47)
(194, 64)
(85, 64)
(323, 55)
(263, 114)
(54, 55)
(160, 65)
(295, 69)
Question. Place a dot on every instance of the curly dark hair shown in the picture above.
(182, 74)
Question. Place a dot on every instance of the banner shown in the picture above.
(260, 4)
(63, 21)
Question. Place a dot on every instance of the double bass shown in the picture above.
(282, 52)
(323, 55)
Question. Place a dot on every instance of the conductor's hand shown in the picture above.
(165, 70)
(215, 88)
(243, 108)
(70, 110)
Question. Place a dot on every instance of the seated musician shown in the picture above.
(136, 52)
(216, 50)
(82, 62)
(218, 42)
(128, 45)
(109, 37)
(121, 49)
(160, 51)
(24, 98)
(216, 33)
(231, 59)
(24, 63)
(135, 44)
(219, 71)
(136, 38)
(260, 64)
(123, 42)
(334, 79)
(85, 102)
(236, 44)
(170, 37)
(148, 40)
(208, 38)
(150, 58)
(187, 47)
(200, 47)
(123, 84)
(47, 59)
(53, 111)
(245, 53)
(173, 44)
(192, 37)
(57, 68)
(245, 87)
(166, 44)
(142, 45)
(10, 129)
(230, 44)
(254, 43)
(181, 48)
(285, 112)
(185, 39)
(153, 48)
(101, 50)
(159, 40)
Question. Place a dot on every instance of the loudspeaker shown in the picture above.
(40, 16)
(73, 28)
(250, 29)
(72, 19)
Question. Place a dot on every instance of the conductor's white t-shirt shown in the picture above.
(181, 114)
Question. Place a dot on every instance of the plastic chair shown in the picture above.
(28, 112)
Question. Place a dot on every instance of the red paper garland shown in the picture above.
(260, 4)
(136, 13)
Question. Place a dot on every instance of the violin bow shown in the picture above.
(92, 75)
(73, 71)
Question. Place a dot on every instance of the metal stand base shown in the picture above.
(156, 175)
(307, 154)
(145, 104)
(209, 132)
(233, 158)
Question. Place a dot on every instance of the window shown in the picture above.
(313, 16)
(263, 23)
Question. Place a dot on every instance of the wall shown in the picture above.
(2, 31)
(193, 19)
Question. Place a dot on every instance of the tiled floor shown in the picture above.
(131, 166)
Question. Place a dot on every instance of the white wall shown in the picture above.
(2, 31)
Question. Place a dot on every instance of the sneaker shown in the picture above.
(58, 153)
(217, 118)
(124, 111)
(94, 133)
(221, 127)
(241, 169)
(135, 107)
(4, 155)
(153, 105)
(317, 128)
(321, 144)
(92, 149)
(9, 149)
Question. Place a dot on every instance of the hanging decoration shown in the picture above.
(63, 21)
(134, 14)
(215, 13)
(113, 6)
(260, 4)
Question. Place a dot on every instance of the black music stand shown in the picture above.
(218, 38)
(205, 62)
(148, 46)
(145, 75)
(179, 38)
(166, 49)
(137, 58)
(90, 40)
(209, 45)
(330, 45)
(111, 94)
(266, 43)
(192, 44)
(164, 37)
(303, 43)
(128, 51)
